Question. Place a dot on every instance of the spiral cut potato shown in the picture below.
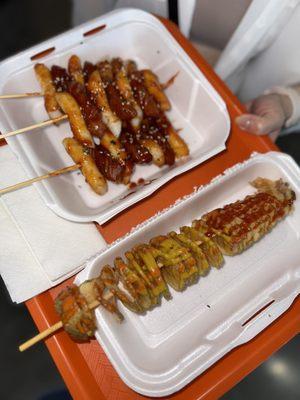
(117, 112)
(237, 226)
(140, 279)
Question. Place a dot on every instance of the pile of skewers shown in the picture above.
(116, 114)
(175, 259)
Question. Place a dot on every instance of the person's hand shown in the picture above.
(267, 115)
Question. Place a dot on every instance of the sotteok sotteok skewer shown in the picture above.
(39, 94)
(84, 162)
(122, 84)
(175, 259)
(117, 104)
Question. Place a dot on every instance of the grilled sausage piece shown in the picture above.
(48, 90)
(114, 169)
(61, 79)
(124, 88)
(152, 129)
(88, 69)
(135, 150)
(96, 126)
(96, 88)
(177, 144)
(145, 100)
(154, 87)
(78, 126)
(121, 106)
(82, 156)
(90, 112)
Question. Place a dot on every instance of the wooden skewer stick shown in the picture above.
(39, 178)
(53, 328)
(35, 126)
(19, 95)
(41, 336)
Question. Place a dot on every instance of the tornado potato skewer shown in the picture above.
(174, 259)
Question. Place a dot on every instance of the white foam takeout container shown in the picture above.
(158, 353)
(196, 108)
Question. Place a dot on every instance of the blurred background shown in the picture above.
(33, 375)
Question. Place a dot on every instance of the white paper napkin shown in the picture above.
(38, 249)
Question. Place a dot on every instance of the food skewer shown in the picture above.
(40, 178)
(36, 94)
(84, 161)
(86, 121)
(54, 328)
(175, 259)
(102, 101)
(49, 331)
(41, 336)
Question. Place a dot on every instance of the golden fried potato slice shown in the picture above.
(133, 283)
(81, 155)
(144, 255)
(154, 88)
(169, 254)
(78, 126)
(194, 249)
(75, 69)
(43, 75)
(208, 246)
(110, 279)
(96, 88)
(142, 272)
(78, 320)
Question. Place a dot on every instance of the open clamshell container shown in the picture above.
(158, 353)
(197, 110)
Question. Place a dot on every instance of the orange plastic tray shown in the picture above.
(85, 368)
